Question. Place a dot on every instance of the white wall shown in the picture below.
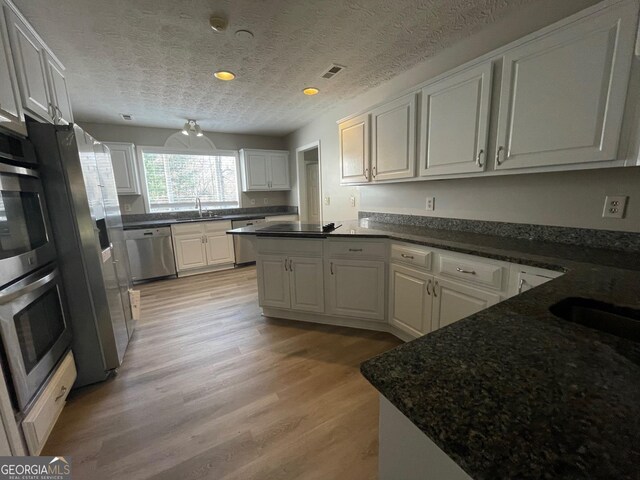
(570, 199)
(147, 136)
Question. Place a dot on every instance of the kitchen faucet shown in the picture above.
(199, 206)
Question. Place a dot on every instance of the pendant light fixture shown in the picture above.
(191, 126)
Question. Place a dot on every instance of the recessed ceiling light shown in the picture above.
(224, 75)
(310, 91)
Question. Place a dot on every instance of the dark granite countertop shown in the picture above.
(514, 391)
(165, 222)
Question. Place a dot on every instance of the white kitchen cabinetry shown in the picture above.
(354, 150)
(393, 139)
(273, 281)
(454, 123)
(125, 171)
(10, 109)
(202, 246)
(453, 301)
(562, 96)
(523, 278)
(41, 80)
(410, 299)
(356, 288)
(264, 170)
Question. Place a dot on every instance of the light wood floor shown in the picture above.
(211, 389)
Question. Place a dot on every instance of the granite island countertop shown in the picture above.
(514, 391)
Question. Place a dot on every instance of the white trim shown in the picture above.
(140, 149)
(300, 173)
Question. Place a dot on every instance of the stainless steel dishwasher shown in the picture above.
(242, 245)
(150, 253)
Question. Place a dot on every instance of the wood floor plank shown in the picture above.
(210, 389)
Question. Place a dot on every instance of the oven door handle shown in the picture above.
(27, 172)
(11, 293)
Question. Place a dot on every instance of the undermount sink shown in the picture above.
(623, 322)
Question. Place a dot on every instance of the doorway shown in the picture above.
(309, 183)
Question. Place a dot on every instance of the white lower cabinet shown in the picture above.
(453, 301)
(202, 246)
(295, 283)
(356, 288)
(410, 300)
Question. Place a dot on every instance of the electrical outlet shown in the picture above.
(266, 201)
(127, 207)
(253, 201)
(614, 206)
(431, 204)
(352, 199)
(327, 200)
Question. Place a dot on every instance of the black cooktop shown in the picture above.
(299, 227)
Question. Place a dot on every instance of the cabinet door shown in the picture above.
(562, 96)
(219, 249)
(279, 171)
(354, 150)
(190, 251)
(393, 139)
(10, 110)
(410, 300)
(356, 288)
(58, 92)
(256, 171)
(123, 159)
(273, 281)
(453, 301)
(454, 123)
(28, 56)
(307, 284)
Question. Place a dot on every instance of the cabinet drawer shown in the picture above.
(289, 247)
(38, 423)
(412, 256)
(186, 228)
(479, 273)
(357, 249)
(217, 226)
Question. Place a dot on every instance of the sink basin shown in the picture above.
(623, 322)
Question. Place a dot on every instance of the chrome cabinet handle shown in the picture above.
(355, 249)
(479, 159)
(500, 149)
(462, 270)
(290, 265)
(520, 285)
(285, 265)
(374, 172)
(63, 390)
(404, 255)
(331, 268)
(366, 173)
(429, 287)
(435, 286)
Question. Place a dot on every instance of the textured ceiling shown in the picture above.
(154, 59)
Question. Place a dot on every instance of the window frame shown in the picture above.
(141, 149)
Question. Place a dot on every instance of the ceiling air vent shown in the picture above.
(333, 71)
(126, 116)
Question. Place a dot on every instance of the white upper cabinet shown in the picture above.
(10, 108)
(393, 139)
(454, 123)
(60, 102)
(41, 79)
(354, 150)
(264, 170)
(125, 171)
(562, 95)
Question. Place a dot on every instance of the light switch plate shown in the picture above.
(127, 207)
(352, 199)
(431, 204)
(327, 200)
(253, 201)
(266, 201)
(614, 206)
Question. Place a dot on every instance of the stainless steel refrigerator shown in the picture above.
(83, 204)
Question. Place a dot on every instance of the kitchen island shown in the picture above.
(514, 390)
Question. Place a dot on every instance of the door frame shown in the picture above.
(301, 175)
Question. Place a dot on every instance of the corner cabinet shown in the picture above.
(563, 95)
(125, 170)
(454, 123)
(264, 170)
(41, 80)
